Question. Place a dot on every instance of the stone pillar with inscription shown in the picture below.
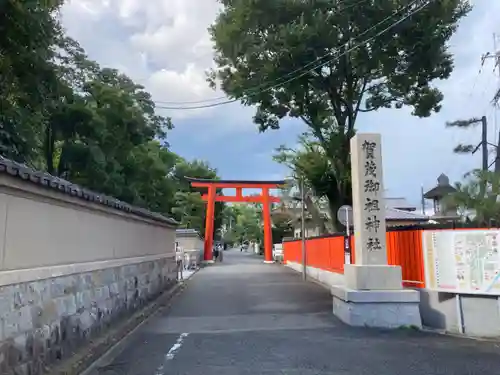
(372, 294)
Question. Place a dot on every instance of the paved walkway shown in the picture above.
(244, 317)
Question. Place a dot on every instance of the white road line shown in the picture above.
(172, 352)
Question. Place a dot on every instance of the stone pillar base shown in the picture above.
(373, 277)
(377, 308)
(211, 261)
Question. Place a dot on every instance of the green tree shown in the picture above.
(478, 197)
(473, 148)
(29, 34)
(262, 47)
(309, 163)
(190, 208)
(195, 169)
(101, 135)
(229, 215)
(282, 225)
(63, 113)
(146, 177)
(247, 224)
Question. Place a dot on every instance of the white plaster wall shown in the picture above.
(190, 243)
(311, 230)
(326, 278)
(42, 227)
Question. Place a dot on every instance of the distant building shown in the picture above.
(188, 239)
(443, 209)
(398, 212)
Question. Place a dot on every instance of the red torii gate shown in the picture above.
(211, 197)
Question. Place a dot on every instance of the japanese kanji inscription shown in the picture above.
(368, 199)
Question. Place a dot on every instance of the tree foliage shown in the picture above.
(189, 205)
(29, 35)
(246, 224)
(64, 113)
(282, 225)
(478, 197)
(470, 148)
(312, 165)
(189, 209)
(465, 124)
(263, 46)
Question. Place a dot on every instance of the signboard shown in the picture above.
(347, 249)
(462, 261)
(344, 215)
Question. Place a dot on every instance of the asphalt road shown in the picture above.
(245, 317)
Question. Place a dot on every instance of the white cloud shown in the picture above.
(416, 150)
(170, 34)
(162, 44)
(188, 85)
(165, 45)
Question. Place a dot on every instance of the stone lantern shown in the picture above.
(442, 208)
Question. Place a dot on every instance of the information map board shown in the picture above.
(462, 261)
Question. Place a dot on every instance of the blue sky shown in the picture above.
(164, 45)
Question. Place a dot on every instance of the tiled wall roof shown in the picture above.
(46, 180)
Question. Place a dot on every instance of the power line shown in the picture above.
(249, 93)
(338, 13)
(495, 55)
(476, 78)
(425, 3)
(414, 11)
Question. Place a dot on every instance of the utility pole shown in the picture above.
(302, 200)
(495, 55)
(484, 143)
(484, 138)
(422, 199)
(303, 227)
(496, 69)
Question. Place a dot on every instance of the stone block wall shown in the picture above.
(43, 321)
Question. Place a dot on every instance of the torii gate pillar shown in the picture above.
(211, 197)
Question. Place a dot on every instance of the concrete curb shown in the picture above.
(309, 279)
(460, 336)
(423, 329)
(103, 349)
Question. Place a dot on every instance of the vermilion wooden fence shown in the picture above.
(404, 248)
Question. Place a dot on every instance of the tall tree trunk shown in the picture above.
(49, 148)
(336, 200)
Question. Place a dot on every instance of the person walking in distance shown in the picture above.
(216, 253)
(221, 253)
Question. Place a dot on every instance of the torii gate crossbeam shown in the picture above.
(211, 197)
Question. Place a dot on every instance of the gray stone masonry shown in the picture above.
(44, 321)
